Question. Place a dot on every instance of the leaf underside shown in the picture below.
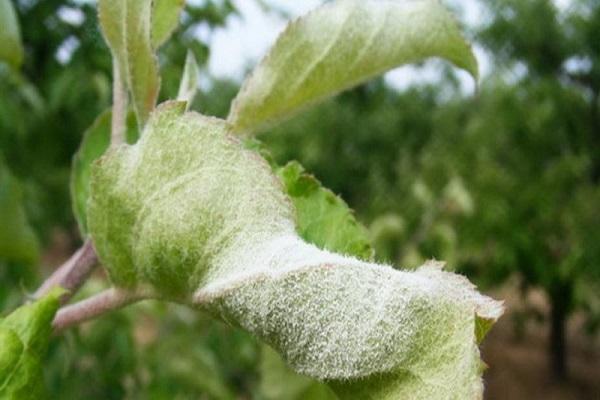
(340, 45)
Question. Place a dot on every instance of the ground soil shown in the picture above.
(517, 354)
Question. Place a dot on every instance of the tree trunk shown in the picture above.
(560, 297)
(558, 342)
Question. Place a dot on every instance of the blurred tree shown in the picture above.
(545, 129)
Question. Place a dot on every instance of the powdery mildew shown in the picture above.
(190, 212)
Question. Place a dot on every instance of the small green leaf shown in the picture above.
(482, 327)
(322, 218)
(96, 140)
(11, 48)
(189, 80)
(18, 242)
(24, 337)
(126, 25)
(343, 44)
(165, 18)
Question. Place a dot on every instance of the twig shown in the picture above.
(119, 107)
(102, 303)
(72, 274)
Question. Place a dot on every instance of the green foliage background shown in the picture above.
(501, 183)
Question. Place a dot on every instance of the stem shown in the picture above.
(119, 108)
(72, 274)
(102, 303)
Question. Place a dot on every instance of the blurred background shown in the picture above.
(502, 181)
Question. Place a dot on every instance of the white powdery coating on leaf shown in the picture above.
(335, 317)
(167, 210)
(190, 212)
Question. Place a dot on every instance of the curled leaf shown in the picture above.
(126, 25)
(340, 45)
(190, 212)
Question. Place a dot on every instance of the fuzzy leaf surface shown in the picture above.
(340, 45)
(24, 337)
(126, 25)
(11, 48)
(325, 220)
(96, 140)
(191, 213)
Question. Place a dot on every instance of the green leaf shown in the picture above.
(18, 242)
(96, 139)
(322, 218)
(165, 18)
(191, 214)
(482, 327)
(343, 44)
(126, 25)
(24, 338)
(189, 80)
(11, 48)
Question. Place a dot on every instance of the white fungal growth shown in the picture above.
(190, 212)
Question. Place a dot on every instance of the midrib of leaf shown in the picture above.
(326, 52)
(369, 42)
(136, 85)
(281, 85)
